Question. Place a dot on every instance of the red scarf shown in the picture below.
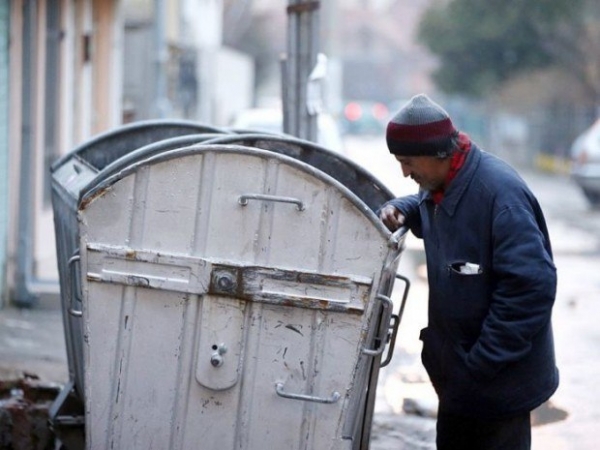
(456, 162)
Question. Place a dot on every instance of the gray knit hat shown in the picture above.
(420, 128)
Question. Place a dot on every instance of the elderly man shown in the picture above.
(488, 347)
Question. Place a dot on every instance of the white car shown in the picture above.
(585, 163)
(270, 120)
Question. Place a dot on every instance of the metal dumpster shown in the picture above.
(71, 175)
(373, 194)
(232, 298)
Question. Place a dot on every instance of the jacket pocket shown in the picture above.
(465, 268)
(466, 287)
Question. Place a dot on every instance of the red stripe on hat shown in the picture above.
(420, 133)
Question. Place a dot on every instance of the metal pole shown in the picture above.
(290, 122)
(162, 106)
(302, 47)
(22, 296)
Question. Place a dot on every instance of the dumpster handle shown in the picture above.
(307, 398)
(394, 325)
(243, 200)
(71, 264)
(396, 318)
(387, 305)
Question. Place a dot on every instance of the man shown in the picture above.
(488, 347)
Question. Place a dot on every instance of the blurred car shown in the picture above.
(270, 120)
(585, 163)
(365, 117)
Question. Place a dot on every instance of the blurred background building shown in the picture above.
(70, 69)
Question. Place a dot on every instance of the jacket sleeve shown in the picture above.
(521, 304)
(409, 207)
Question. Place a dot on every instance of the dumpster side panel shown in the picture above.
(169, 206)
(282, 345)
(356, 246)
(66, 183)
(221, 229)
(300, 352)
(141, 373)
(99, 382)
(266, 354)
(299, 235)
(118, 209)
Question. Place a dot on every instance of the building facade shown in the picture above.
(63, 75)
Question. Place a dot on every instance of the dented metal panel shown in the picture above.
(217, 322)
(193, 275)
(122, 265)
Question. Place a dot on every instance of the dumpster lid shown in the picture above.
(356, 178)
(368, 211)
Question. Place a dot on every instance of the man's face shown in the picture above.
(427, 171)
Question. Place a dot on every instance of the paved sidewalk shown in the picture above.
(32, 341)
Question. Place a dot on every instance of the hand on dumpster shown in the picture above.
(391, 217)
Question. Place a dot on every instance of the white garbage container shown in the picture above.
(232, 299)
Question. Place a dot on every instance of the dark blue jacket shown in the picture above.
(488, 347)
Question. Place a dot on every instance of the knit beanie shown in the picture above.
(420, 128)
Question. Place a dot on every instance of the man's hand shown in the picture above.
(391, 217)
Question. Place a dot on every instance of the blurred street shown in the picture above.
(31, 340)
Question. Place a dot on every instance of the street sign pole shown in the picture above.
(299, 119)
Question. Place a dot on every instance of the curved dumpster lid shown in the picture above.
(368, 188)
(105, 148)
(236, 130)
(147, 151)
(100, 188)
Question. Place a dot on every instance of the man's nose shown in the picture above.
(405, 170)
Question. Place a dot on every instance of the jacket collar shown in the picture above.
(459, 184)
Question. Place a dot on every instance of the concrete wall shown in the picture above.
(234, 83)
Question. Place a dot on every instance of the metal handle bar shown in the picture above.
(387, 305)
(71, 264)
(397, 237)
(394, 325)
(397, 318)
(404, 296)
(243, 200)
(307, 398)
